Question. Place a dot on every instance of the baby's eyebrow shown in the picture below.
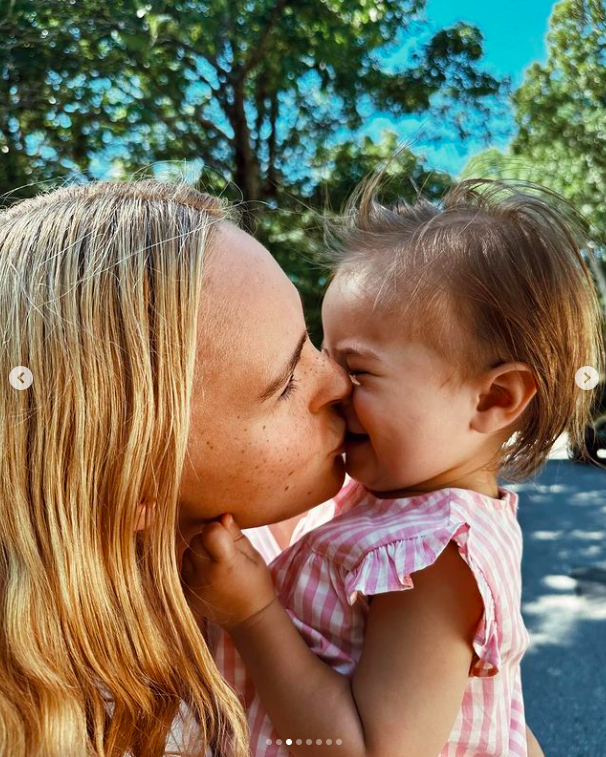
(357, 350)
(286, 373)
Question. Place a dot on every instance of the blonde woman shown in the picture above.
(163, 343)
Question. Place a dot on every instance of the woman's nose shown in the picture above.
(336, 384)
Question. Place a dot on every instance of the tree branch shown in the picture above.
(210, 59)
(259, 48)
(217, 91)
(272, 145)
(172, 122)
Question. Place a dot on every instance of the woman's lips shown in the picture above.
(351, 437)
(354, 441)
(340, 448)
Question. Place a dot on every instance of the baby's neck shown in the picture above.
(482, 481)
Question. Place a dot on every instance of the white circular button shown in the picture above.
(587, 377)
(21, 377)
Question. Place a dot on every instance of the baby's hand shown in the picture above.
(224, 578)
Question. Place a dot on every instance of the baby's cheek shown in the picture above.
(400, 436)
(379, 416)
(366, 409)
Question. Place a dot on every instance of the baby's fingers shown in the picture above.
(216, 542)
(239, 539)
(227, 519)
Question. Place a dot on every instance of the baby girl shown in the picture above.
(395, 629)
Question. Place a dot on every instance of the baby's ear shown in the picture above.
(504, 394)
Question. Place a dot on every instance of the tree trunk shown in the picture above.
(246, 165)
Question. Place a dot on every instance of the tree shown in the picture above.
(268, 95)
(253, 88)
(295, 231)
(561, 115)
(51, 117)
(561, 108)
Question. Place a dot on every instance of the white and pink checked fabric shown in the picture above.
(373, 546)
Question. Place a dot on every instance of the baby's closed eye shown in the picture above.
(354, 376)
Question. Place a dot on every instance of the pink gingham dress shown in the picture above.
(373, 546)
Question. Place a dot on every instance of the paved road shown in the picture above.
(563, 516)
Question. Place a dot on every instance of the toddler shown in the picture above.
(395, 629)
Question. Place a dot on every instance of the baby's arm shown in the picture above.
(407, 689)
(534, 748)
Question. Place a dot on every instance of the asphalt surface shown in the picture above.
(563, 516)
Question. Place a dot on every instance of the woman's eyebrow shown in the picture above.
(286, 373)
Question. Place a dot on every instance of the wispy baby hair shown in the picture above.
(493, 273)
(100, 287)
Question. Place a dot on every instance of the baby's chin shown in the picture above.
(383, 484)
(367, 475)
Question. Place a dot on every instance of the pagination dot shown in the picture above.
(328, 742)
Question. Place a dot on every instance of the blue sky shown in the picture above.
(514, 37)
(514, 32)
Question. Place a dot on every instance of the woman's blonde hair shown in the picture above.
(100, 288)
(493, 273)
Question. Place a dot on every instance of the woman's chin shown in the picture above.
(299, 498)
(327, 484)
(338, 476)
(356, 454)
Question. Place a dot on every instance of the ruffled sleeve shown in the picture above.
(388, 568)
(351, 492)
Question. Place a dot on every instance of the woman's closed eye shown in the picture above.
(291, 387)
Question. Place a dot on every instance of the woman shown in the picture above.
(163, 343)
(173, 380)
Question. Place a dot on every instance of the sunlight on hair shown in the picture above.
(100, 289)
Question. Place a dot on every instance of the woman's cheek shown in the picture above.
(277, 449)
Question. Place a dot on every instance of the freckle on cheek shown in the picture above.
(286, 488)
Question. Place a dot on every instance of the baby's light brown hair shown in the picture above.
(493, 273)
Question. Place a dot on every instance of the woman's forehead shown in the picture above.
(251, 312)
